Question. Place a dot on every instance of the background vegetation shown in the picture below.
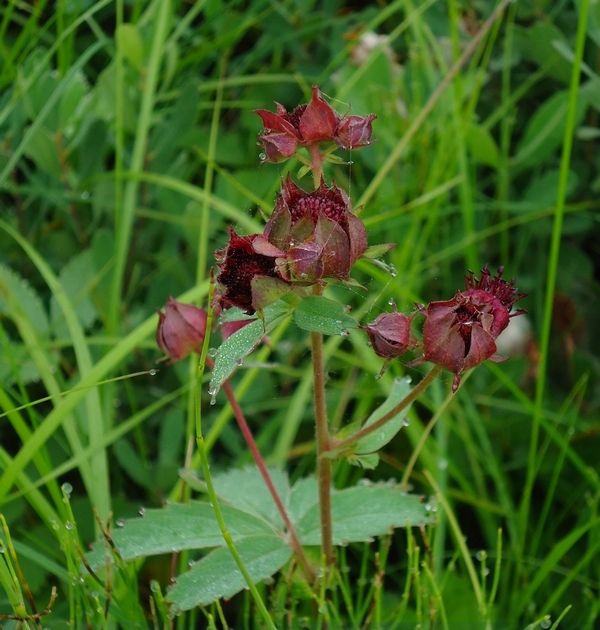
(128, 145)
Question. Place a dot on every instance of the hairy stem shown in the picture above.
(322, 439)
(413, 395)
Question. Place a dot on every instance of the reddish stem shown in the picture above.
(245, 429)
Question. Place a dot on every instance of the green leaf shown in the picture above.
(237, 347)
(319, 314)
(176, 527)
(247, 491)
(77, 278)
(545, 130)
(217, 576)
(42, 149)
(130, 42)
(72, 97)
(362, 512)
(482, 145)
(25, 296)
(375, 251)
(373, 442)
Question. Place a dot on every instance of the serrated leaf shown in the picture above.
(176, 527)
(217, 576)
(22, 293)
(319, 314)
(373, 442)
(237, 347)
(362, 512)
(76, 278)
(247, 491)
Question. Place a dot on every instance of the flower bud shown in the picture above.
(390, 335)
(181, 329)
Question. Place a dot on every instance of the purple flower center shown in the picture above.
(294, 117)
(311, 205)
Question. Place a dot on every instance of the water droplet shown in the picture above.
(2, 549)
(142, 511)
(120, 523)
(392, 271)
(54, 525)
(191, 563)
(344, 333)
(338, 321)
(391, 302)
(239, 361)
(262, 157)
(378, 376)
(442, 464)
(85, 195)
(485, 571)
(69, 525)
(481, 555)
(212, 352)
(95, 595)
(427, 507)
(546, 623)
(152, 372)
(213, 399)
(67, 488)
(571, 431)
(405, 422)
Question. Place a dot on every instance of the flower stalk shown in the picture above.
(322, 440)
(407, 400)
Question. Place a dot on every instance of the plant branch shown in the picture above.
(412, 396)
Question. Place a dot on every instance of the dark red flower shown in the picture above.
(390, 335)
(317, 231)
(181, 329)
(460, 333)
(247, 275)
(311, 123)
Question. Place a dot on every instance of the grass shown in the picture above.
(128, 146)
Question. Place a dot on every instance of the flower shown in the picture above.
(461, 333)
(390, 335)
(181, 329)
(248, 277)
(317, 232)
(308, 124)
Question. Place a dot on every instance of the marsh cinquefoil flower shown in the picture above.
(317, 232)
(461, 333)
(308, 124)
